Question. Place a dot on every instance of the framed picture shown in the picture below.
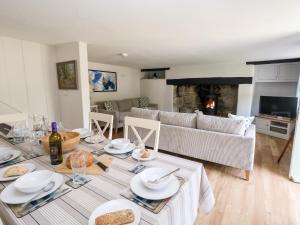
(102, 81)
(67, 75)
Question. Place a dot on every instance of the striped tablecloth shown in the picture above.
(75, 207)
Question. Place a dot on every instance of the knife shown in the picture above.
(101, 165)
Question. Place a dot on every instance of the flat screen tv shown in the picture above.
(278, 106)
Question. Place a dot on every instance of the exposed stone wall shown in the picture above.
(187, 98)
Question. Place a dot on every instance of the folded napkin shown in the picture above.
(91, 170)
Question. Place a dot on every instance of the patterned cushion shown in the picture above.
(221, 124)
(248, 119)
(178, 119)
(111, 106)
(124, 105)
(135, 102)
(145, 113)
(143, 102)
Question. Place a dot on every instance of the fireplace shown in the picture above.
(210, 99)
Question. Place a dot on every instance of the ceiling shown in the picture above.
(160, 33)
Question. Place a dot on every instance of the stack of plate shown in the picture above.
(84, 133)
(119, 146)
(142, 186)
(28, 185)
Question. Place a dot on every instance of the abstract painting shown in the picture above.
(67, 75)
(102, 81)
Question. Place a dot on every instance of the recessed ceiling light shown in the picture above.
(124, 54)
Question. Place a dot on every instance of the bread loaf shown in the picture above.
(15, 171)
(121, 217)
(88, 155)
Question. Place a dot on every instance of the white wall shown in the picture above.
(238, 69)
(158, 92)
(75, 104)
(284, 89)
(28, 78)
(128, 82)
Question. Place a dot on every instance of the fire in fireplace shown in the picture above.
(210, 104)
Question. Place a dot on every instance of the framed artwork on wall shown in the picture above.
(67, 75)
(102, 81)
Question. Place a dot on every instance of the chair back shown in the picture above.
(16, 117)
(151, 125)
(106, 118)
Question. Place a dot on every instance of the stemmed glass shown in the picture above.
(139, 150)
(78, 165)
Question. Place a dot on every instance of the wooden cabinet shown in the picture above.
(282, 72)
(288, 71)
(266, 72)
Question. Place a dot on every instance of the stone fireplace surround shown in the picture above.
(189, 94)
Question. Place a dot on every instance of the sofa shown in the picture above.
(225, 141)
(121, 108)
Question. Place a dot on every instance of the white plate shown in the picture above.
(90, 141)
(116, 205)
(30, 167)
(9, 150)
(139, 189)
(11, 195)
(83, 132)
(109, 148)
(120, 143)
(153, 155)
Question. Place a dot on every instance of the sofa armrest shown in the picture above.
(116, 115)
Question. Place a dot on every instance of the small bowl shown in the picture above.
(33, 182)
(153, 173)
(119, 143)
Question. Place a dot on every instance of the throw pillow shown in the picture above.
(110, 106)
(144, 113)
(248, 119)
(221, 124)
(143, 102)
(178, 119)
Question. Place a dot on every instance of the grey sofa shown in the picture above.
(220, 140)
(122, 108)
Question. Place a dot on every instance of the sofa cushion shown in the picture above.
(143, 102)
(124, 105)
(145, 113)
(100, 105)
(111, 106)
(178, 119)
(221, 124)
(248, 119)
(135, 102)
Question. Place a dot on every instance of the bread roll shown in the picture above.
(88, 155)
(15, 171)
(121, 217)
(146, 154)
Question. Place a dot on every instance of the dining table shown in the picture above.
(75, 207)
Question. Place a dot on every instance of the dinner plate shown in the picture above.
(11, 195)
(84, 132)
(90, 140)
(30, 167)
(141, 190)
(116, 205)
(110, 149)
(8, 150)
(153, 155)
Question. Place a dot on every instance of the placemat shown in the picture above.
(20, 211)
(91, 170)
(154, 206)
(21, 158)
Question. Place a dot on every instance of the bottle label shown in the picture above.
(54, 153)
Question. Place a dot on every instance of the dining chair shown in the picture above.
(16, 117)
(151, 125)
(105, 118)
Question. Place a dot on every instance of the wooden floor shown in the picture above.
(269, 198)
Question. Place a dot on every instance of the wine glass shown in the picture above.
(139, 150)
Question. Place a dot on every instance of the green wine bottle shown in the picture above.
(55, 145)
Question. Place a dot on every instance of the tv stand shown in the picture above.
(275, 126)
